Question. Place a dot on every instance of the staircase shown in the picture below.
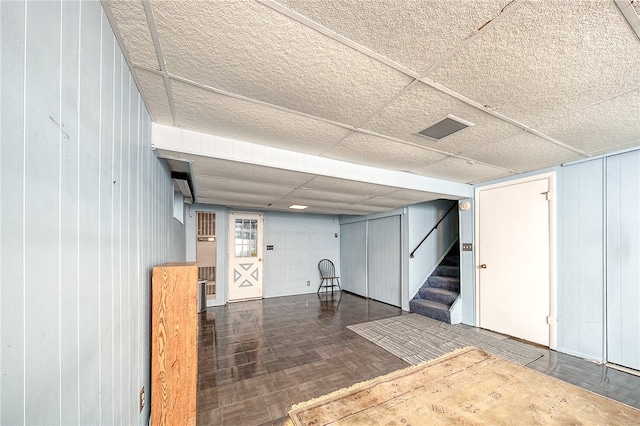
(437, 295)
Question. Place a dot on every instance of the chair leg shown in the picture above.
(320, 286)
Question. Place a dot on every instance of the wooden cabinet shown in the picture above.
(174, 344)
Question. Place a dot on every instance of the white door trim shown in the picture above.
(551, 176)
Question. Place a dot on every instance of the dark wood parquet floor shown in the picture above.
(257, 358)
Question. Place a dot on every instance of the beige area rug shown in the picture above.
(467, 387)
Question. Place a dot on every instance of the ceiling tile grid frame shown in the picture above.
(296, 146)
(422, 105)
(130, 18)
(230, 117)
(416, 34)
(459, 161)
(611, 124)
(264, 55)
(152, 86)
(548, 59)
(374, 151)
(523, 152)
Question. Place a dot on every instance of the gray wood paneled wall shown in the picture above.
(85, 211)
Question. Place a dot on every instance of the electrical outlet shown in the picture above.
(308, 283)
(141, 399)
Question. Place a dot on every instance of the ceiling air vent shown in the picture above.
(445, 127)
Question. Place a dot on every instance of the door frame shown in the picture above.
(231, 252)
(551, 177)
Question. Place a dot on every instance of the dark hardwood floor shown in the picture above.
(257, 358)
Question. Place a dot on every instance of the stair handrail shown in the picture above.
(432, 229)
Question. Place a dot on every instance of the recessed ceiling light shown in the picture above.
(297, 207)
(445, 127)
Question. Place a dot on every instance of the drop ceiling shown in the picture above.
(543, 82)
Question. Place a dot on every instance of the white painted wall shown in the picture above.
(299, 242)
(85, 212)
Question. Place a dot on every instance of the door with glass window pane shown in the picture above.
(245, 256)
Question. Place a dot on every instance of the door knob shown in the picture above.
(483, 266)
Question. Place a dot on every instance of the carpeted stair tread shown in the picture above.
(447, 271)
(430, 309)
(448, 283)
(439, 295)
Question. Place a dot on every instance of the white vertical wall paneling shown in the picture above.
(623, 259)
(42, 327)
(117, 237)
(89, 118)
(581, 295)
(12, 164)
(353, 257)
(106, 224)
(467, 262)
(383, 260)
(69, 181)
(300, 241)
(125, 181)
(89, 215)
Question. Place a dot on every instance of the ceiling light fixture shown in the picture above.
(445, 127)
(297, 207)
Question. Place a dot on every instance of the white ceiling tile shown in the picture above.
(344, 186)
(235, 185)
(459, 170)
(319, 195)
(421, 106)
(634, 144)
(385, 203)
(249, 49)
(209, 112)
(548, 58)
(207, 166)
(612, 123)
(374, 151)
(416, 34)
(236, 198)
(131, 21)
(155, 95)
(523, 152)
(414, 196)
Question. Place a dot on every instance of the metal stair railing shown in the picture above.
(432, 229)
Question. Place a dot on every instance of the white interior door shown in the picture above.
(513, 259)
(245, 256)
